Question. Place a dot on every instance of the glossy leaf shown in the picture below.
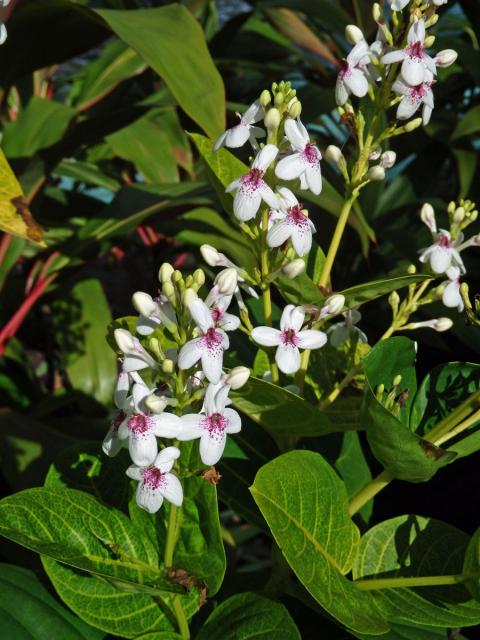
(35, 614)
(471, 565)
(353, 468)
(85, 172)
(360, 294)
(188, 71)
(246, 616)
(15, 217)
(411, 546)
(403, 453)
(316, 536)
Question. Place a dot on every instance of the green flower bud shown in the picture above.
(165, 272)
(168, 366)
(278, 100)
(265, 98)
(272, 119)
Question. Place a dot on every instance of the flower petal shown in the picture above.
(413, 71)
(247, 202)
(287, 198)
(266, 156)
(190, 353)
(220, 141)
(279, 233)
(234, 421)
(297, 318)
(148, 499)
(212, 363)
(166, 425)
(212, 447)
(166, 458)
(111, 443)
(313, 174)
(134, 472)
(394, 56)
(122, 388)
(440, 259)
(190, 426)
(237, 136)
(290, 167)
(254, 113)
(287, 358)
(311, 339)
(134, 363)
(142, 448)
(266, 336)
(356, 82)
(146, 326)
(285, 319)
(341, 91)
(338, 334)
(172, 489)
(268, 195)
(451, 296)
(296, 135)
(201, 314)
(229, 322)
(407, 108)
(302, 240)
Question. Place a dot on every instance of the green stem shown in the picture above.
(369, 491)
(267, 296)
(454, 418)
(466, 424)
(417, 581)
(172, 532)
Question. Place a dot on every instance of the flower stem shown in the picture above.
(174, 517)
(453, 419)
(370, 584)
(369, 491)
(267, 296)
(466, 424)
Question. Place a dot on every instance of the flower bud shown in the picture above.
(265, 98)
(188, 296)
(156, 404)
(429, 41)
(168, 366)
(226, 281)
(377, 12)
(353, 34)
(376, 173)
(169, 291)
(210, 255)
(397, 380)
(334, 154)
(124, 340)
(177, 276)
(388, 159)
(165, 272)
(473, 216)
(459, 214)
(143, 303)
(394, 301)
(272, 119)
(413, 124)
(293, 269)
(333, 305)
(238, 377)
(442, 324)
(427, 215)
(411, 270)
(278, 100)
(375, 154)
(198, 278)
(295, 109)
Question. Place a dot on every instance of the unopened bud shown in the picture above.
(188, 296)
(333, 305)
(446, 57)
(442, 324)
(334, 154)
(295, 110)
(272, 119)
(293, 269)
(156, 404)
(353, 34)
(143, 303)
(388, 159)
(394, 301)
(169, 291)
(226, 281)
(278, 100)
(177, 276)
(397, 380)
(429, 41)
(124, 340)
(375, 154)
(451, 207)
(168, 366)
(459, 214)
(412, 269)
(238, 377)
(413, 124)
(199, 278)
(473, 216)
(265, 98)
(427, 215)
(210, 255)
(376, 173)
(377, 12)
(165, 272)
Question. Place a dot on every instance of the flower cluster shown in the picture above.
(154, 388)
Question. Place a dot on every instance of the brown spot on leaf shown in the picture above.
(181, 577)
(34, 230)
(431, 451)
(211, 475)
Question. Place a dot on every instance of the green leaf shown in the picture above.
(42, 123)
(81, 321)
(305, 505)
(353, 469)
(279, 411)
(115, 63)
(188, 70)
(245, 616)
(86, 172)
(409, 546)
(467, 168)
(468, 124)
(36, 615)
(403, 453)
(362, 293)
(471, 565)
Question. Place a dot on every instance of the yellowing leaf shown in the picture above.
(15, 216)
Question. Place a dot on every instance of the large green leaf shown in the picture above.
(403, 453)
(279, 411)
(471, 565)
(353, 468)
(29, 612)
(469, 123)
(172, 42)
(362, 293)
(245, 616)
(410, 546)
(305, 505)
(81, 321)
(42, 123)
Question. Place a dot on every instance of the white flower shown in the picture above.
(414, 97)
(136, 357)
(212, 426)
(156, 482)
(290, 222)
(289, 339)
(218, 303)
(398, 5)
(443, 253)
(451, 294)
(111, 443)
(251, 189)
(352, 78)
(244, 130)
(208, 348)
(438, 3)
(415, 62)
(445, 58)
(340, 332)
(427, 215)
(153, 312)
(305, 162)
